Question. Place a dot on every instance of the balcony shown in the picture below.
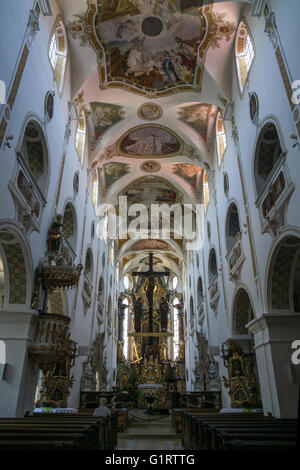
(235, 258)
(274, 197)
(87, 291)
(214, 293)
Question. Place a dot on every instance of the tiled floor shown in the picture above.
(148, 433)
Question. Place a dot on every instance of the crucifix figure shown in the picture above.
(151, 275)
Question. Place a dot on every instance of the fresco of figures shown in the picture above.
(113, 171)
(150, 190)
(149, 141)
(156, 49)
(190, 173)
(104, 116)
(198, 116)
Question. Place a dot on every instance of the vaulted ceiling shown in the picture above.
(150, 76)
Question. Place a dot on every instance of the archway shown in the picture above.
(242, 313)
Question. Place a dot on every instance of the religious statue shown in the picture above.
(181, 350)
(162, 351)
(120, 351)
(55, 235)
(164, 310)
(138, 313)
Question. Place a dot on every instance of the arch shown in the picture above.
(200, 290)
(242, 312)
(80, 137)
(220, 137)
(58, 53)
(101, 288)
(267, 152)
(206, 195)
(70, 225)
(16, 269)
(95, 189)
(2, 352)
(232, 224)
(89, 264)
(283, 278)
(34, 151)
(212, 265)
(244, 54)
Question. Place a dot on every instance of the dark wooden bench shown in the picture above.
(63, 431)
(211, 432)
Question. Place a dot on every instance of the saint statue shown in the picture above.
(163, 351)
(138, 313)
(164, 310)
(55, 235)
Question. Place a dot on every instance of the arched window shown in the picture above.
(243, 313)
(212, 265)
(125, 327)
(95, 189)
(2, 284)
(2, 352)
(200, 291)
(69, 225)
(268, 150)
(89, 264)
(34, 152)
(174, 282)
(244, 54)
(80, 137)
(221, 137)
(176, 327)
(58, 54)
(205, 189)
(232, 225)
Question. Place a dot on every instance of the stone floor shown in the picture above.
(148, 433)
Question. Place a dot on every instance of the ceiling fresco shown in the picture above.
(199, 117)
(190, 173)
(113, 172)
(150, 190)
(155, 48)
(150, 141)
(150, 112)
(142, 245)
(103, 116)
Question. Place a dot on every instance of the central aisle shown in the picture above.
(149, 433)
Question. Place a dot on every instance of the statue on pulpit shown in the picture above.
(55, 234)
(138, 313)
(164, 310)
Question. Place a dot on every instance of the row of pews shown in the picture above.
(53, 431)
(236, 431)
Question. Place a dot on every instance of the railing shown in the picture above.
(274, 197)
(235, 257)
(87, 290)
(214, 293)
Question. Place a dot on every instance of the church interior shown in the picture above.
(149, 224)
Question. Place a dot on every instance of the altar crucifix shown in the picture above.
(151, 275)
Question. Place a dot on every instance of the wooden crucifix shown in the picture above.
(151, 275)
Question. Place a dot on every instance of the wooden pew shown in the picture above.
(211, 432)
(50, 430)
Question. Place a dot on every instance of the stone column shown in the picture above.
(17, 389)
(279, 378)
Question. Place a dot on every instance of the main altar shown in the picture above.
(153, 363)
